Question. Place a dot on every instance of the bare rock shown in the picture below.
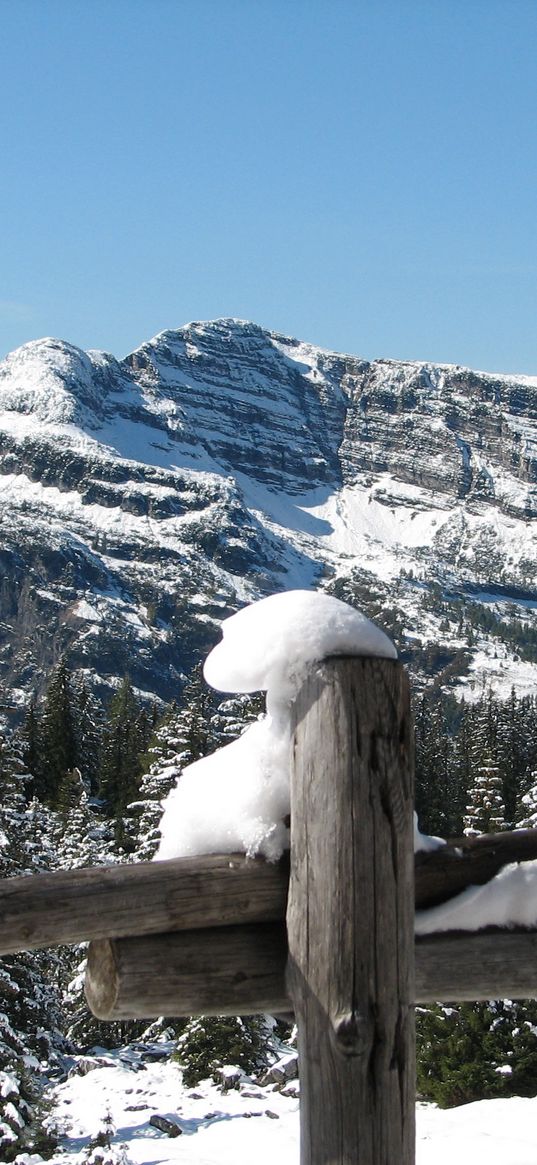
(164, 1125)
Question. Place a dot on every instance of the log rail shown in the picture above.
(241, 970)
(207, 935)
(148, 898)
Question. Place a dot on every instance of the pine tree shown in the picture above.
(485, 808)
(31, 744)
(439, 796)
(68, 796)
(182, 736)
(58, 742)
(124, 742)
(81, 835)
(30, 1015)
(234, 714)
(485, 811)
(210, 1042)
(528, 808)
(14, 782)
(193, 724)
(476, 1051)
(511, 754)
(88, 718)
(163, 763)
(101, 1150)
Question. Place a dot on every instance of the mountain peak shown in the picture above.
(48, 379)
(144, 498)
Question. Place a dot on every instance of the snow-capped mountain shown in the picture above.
(144, 499)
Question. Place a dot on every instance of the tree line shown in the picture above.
(476, 763)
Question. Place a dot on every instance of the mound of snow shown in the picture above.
(237, 799)
(269, 645)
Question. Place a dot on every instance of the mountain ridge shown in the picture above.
(145, 498)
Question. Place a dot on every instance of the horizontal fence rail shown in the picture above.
(162, 907)
(71, 906)
(240, 970)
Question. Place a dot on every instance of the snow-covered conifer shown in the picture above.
(125, 739)
(30, 1006)
(88, 716)
(58, 741)
(485, 808)
(209, 1042)
(485, 811)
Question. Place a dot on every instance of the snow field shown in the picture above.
(233, 1128)
(224, 1128)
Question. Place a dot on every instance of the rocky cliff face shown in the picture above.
(447, 429)
(241, 396)
(143, 499)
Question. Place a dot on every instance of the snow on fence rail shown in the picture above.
(207, 934)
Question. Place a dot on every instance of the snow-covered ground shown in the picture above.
(226, 1128)
(260, 1123)
(488, 1132)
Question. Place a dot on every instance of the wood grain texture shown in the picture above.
(70, 906)
(491, 964)
(469, 861)
(350, 914)
(241, 970)
(234, 970)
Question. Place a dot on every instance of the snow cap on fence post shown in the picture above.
(269, 645)
(237, 799)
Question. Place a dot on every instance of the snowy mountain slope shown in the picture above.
(143, 499)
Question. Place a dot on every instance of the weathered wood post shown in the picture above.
(350, 914)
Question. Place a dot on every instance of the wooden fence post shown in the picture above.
(350, 914)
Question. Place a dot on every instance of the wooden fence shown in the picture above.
(328, 933)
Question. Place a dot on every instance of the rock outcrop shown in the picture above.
(144, 499)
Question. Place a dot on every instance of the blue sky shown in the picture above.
(362, 175)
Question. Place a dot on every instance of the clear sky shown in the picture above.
(358, 173)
